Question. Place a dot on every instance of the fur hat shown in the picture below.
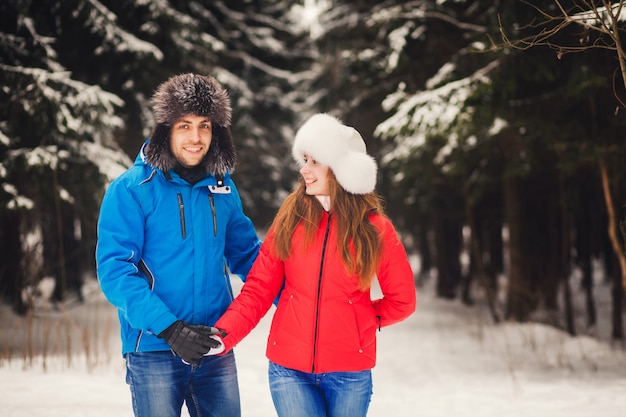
(340, 147)
(197, 95)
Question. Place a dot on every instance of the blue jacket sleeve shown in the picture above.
(118, 252)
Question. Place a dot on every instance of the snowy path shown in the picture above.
(441, 362)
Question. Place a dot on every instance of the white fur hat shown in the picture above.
(340, 147)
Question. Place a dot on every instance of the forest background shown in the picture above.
(497, 126)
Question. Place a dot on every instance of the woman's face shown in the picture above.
(315, 176)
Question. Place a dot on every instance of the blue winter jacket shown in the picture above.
(163, 250)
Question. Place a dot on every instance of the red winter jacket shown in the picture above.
(322, 323)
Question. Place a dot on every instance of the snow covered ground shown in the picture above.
(446, 360)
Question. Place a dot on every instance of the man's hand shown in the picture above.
(215, 334)
(190, 342)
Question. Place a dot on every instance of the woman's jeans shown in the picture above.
(333, 394)
(160, 382)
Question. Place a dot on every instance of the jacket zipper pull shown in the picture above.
(214, 214)
(181, 211)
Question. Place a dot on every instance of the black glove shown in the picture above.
(207, 330)
(189, 342)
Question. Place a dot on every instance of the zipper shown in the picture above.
(319, 290)
(181, 211)
(214, 214)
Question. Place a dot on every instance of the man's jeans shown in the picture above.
(160, 382)
(333, 394)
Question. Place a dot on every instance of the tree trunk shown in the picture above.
(70, 266)
(520, 295)
(532, 206)
(448, 244)
(564, 263)
(493, 244)
(617, 293)
(551, 227)
(488, 282)
(617, 244)
(424, 247)
(11, 273)
(619, 275)
(584, 237)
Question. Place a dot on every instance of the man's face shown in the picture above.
(190, 138)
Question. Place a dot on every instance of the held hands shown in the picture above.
(215, 334)
(192, 341)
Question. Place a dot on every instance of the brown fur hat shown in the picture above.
(198, 95)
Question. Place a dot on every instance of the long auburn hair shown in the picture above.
(358, 239)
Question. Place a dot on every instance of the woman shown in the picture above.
(326, 244)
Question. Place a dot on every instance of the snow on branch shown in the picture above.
(79, 108)
(102, 20)
(16, 200)
(110, 161)
(600, 16)
(47, 156)
(434, 112)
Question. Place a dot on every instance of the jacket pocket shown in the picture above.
(364, 323)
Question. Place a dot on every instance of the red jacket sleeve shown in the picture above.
(395, 278)
(262, 285)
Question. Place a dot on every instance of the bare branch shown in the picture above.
(589, 16)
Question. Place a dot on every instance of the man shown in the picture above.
(169, 228)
